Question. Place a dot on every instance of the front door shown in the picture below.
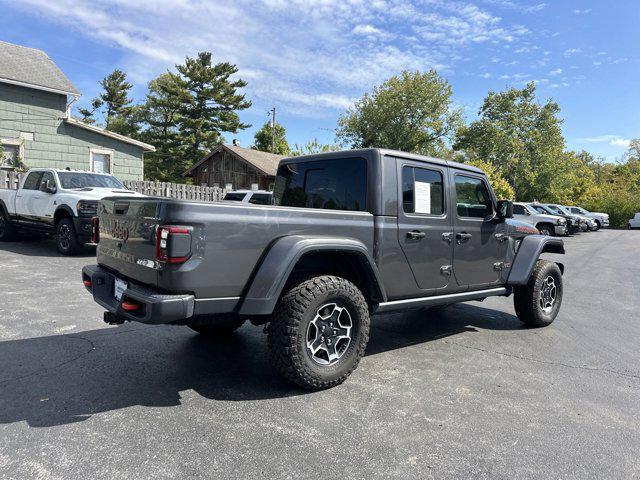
(477, 249)
(424, 224)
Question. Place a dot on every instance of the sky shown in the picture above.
(312, 59)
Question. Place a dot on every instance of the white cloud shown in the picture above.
(366, 30)
(585, 11)
(557, 71)
(486, 75)
(572, 51)
(304, 55)
(613, 140)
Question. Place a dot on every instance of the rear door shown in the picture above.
(478, 240)
(424, 224)
(27, 198)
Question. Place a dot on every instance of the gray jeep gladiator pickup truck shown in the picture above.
(351, 234)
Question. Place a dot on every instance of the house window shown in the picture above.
(11, 152)
(101, 161)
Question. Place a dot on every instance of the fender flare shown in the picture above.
(278, 263)
(528, 253)
(66, 209)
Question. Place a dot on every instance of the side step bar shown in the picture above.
(441, 299)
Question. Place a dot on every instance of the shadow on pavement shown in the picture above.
(37, 246)
(62, 379)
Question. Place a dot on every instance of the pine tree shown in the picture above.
(212, 104)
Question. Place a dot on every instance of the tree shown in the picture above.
(312, 147)
(162, 118)
(521, 138)
(411, 112)
(500, 186)
(263, 139)
(211, 105)
(120, 115)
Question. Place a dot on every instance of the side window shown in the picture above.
(260, 199)
(422, 191)
(47, 177)
(472, 197)
(32, 181)
(518, 210)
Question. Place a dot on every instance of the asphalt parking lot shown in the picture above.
(463, 392)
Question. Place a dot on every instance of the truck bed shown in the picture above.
(227, 240)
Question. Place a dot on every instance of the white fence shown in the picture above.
(179, 191)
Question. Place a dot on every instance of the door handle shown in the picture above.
(447, 236)
(501, 237)
(462, 237)
(416, 234)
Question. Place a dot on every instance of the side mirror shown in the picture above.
(505, 209)
(48, 188)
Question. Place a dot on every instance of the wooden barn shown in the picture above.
(238, 166)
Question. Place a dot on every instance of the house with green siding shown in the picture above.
(36, 127)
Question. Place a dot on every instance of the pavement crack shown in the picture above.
(546, 362)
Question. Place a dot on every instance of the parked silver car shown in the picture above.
(547, 224)
(601, 219)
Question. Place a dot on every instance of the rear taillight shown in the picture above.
(173, 244)
(95, 230)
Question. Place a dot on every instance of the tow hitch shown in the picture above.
(112, 319)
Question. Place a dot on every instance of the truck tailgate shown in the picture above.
(128, 236)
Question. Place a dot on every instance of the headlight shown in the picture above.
(87, 207)
(562, 221)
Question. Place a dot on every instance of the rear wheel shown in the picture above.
(66, 238)
(319, 332)
(7, 229)
(537, 303)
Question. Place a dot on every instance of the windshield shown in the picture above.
(71, 180)
(540, 209)
(558, 209)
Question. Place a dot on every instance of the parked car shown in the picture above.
(601, 219)
(57, 202)
(585, 222)
(573, 222)
(257, 197)
(547, 224)
(634, 222)
(352, 233)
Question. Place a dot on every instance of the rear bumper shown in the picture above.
(154, 307)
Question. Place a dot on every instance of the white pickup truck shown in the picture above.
(57, 202)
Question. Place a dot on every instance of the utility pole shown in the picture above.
(273, 130)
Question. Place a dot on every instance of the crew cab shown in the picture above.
(351, 234)
(57, 202)
(545, 223)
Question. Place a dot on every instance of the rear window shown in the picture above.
(338, 184)
(71, 180)
(261, 199)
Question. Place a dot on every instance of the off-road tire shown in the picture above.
(222, 326)
(7, 229)
(287, 332)
(527, 300)
(66, 237)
